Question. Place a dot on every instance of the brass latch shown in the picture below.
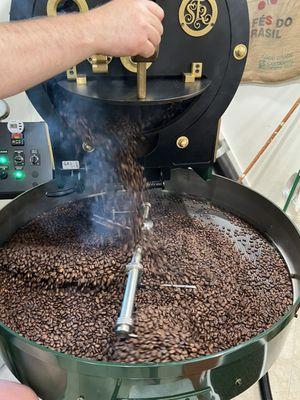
(196, 72)
(72, 75)
(100, 64)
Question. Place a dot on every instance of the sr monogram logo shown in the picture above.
(198, 17)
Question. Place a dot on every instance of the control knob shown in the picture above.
(3, 174)
(19, 159)
(34, 159)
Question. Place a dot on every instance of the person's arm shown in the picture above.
(15, 391)
(36, 50)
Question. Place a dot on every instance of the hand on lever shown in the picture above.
(127, 27)
(52, 45)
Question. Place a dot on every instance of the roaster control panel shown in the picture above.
(25, 157)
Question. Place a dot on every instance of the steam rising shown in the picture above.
(109, 172)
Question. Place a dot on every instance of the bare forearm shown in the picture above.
(36, 50)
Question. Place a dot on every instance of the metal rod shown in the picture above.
(148, 224)
(179, 286)
(124, 325)
(147, 207)
(108, 223)
(125, 321)
(141, 80)
(269, 141)
(166, 285)
(292, 191)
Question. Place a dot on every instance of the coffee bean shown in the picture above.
(62, 283)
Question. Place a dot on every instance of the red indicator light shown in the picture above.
(15, 136)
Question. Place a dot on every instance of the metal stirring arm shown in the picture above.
(134, 269)
(124, 325)
(147, 223)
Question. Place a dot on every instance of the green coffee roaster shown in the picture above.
(176, 100)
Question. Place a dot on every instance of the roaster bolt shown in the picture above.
(238, 382)
(87, 147)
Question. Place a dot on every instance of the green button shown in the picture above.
(19, 174)
(4, 160)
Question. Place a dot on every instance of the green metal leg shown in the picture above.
(291, 194)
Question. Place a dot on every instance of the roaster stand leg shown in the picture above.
(265, 388)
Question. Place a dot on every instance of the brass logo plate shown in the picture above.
(198, 17)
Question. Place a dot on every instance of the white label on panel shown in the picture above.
(68, 165)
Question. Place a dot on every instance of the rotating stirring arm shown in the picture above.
(124, 325)
(134, 269)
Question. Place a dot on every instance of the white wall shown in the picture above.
(4, 10)
(251, 118)
(20, 106)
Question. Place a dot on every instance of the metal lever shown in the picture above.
(141, 80)
(142, 73)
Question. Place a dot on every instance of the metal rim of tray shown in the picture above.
(277, 327)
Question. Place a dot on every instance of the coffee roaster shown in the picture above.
(189, 86)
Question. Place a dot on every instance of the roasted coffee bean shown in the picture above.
(62, 283)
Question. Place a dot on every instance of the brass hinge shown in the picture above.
(100, 63)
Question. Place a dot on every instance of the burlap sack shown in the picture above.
(274, 53)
